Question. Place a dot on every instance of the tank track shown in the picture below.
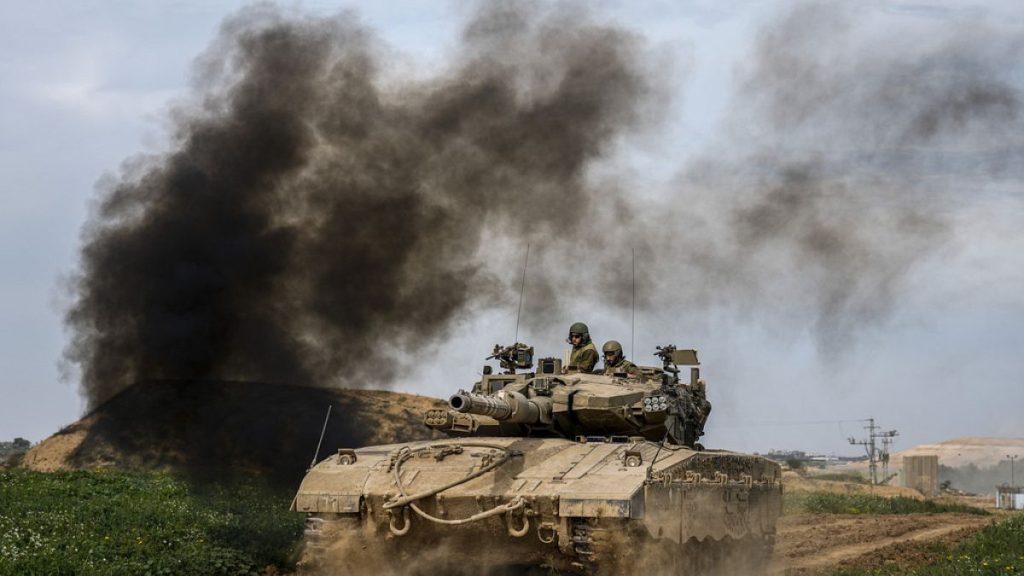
(585, 545)
(602, 548)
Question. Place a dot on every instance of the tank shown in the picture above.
(550, 469)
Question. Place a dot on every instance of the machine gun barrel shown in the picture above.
(508, 406)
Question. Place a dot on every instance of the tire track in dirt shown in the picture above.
(820, 543)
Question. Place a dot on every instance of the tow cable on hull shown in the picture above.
(406, 501)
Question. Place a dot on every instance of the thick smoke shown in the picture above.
(848, 148)
(318, 220)
(314, 220)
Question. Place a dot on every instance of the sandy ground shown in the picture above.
(821, 543)
(54, 453)
(797, 483)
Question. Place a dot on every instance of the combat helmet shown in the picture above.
(579, 328)
(612, 346)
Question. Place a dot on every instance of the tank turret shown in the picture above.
(553, 402)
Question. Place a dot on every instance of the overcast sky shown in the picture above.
(88, 84)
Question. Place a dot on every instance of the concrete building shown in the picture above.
(922, 474)
(1010, 498)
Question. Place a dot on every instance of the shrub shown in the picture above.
(109, 522)
(832, 503)
(998, 549)
(841, 477)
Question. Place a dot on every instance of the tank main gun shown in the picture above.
(505, 406)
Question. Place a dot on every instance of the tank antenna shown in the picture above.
(661, 445)
(632, 330)
(317, 454)
(522, 288)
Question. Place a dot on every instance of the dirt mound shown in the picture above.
(982, 452)
(229, 427)
(796, 483)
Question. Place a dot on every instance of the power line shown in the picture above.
(767, 423)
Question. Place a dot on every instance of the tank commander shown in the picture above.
(584, 353)
(615, 362)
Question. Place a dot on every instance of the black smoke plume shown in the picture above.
(316, 220)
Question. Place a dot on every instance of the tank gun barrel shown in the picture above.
(506, 406)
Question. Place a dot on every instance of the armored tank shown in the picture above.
(551, 468)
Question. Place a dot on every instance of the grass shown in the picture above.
(840, 477)
(832, 503)
(996, 549)
(114, 523)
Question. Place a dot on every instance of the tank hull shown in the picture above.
(466, 504)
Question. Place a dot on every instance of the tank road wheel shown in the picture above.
(610, 546)
(323, 531)
(598, 546)
(698, 557)
(728, 556)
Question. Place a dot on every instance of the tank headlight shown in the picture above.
(346, 456)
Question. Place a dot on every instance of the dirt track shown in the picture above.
(822, 543)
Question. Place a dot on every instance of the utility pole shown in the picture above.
(876, 455)
(1011, 459)
(887, 440)
(869, 447)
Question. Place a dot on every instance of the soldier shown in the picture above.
(584, 353)
(615, 362)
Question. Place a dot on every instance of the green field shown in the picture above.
(996, 550)
(831, 503)
(108, 522)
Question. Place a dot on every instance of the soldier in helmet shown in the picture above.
(615, 362)
(584, 353)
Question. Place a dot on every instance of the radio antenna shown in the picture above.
(632, 330)
(316, 455)
(522, 288)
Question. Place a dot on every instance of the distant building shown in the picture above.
(922, 474)
(1010, 497)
